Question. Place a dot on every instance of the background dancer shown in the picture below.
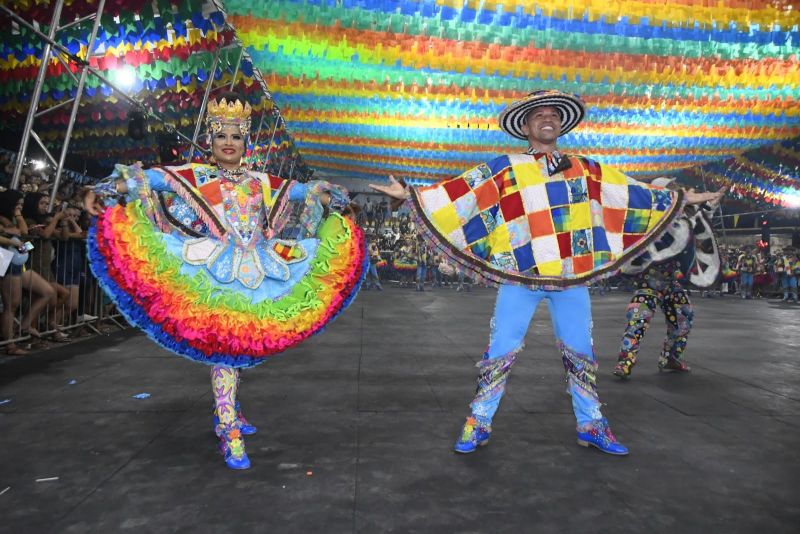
(688, 253)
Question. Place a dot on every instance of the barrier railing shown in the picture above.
(53, 294)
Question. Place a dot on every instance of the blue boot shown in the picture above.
(231, 445)
(244, 427)
(599, 435)
(473, 435)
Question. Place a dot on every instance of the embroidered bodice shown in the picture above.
(243, 206)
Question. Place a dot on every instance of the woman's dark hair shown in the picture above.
(30, 208)
(8, 201)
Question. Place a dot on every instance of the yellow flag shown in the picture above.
(735, 221)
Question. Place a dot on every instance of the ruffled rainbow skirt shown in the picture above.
(192, 317)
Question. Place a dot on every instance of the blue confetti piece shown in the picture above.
(141, 396)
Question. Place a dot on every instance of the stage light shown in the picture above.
(137, 125)
(169, 149)
(125, 77)
(792, 201)
(38, 164)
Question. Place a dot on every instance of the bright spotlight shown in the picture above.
(125, 77)
(792, 201)
(38, 164)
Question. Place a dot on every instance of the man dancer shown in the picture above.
(687, 251)
(542, 225)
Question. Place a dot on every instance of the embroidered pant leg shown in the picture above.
(224, 382)
(513, 312)
(571, 313)
(679, 315)
(639, 315)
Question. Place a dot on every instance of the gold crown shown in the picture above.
(222, 112)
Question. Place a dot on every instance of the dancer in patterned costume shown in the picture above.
(193, 258)
(687, 252)
(542, 225)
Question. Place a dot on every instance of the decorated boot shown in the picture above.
(231, 445)
(599, 435)
(623, 369)
(671, 364)
(244, 427)
(473, 435)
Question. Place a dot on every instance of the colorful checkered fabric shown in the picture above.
(510, 219)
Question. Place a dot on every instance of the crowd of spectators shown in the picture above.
(403, 258)
(49, 297)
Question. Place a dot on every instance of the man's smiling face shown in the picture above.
(542, 125)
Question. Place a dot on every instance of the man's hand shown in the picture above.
(692, 197)
(395, 189)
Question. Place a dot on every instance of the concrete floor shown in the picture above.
(356, 428)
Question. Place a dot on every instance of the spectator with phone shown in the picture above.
(19, 277)
(43, 225)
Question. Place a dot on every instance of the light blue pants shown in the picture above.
(422, 272)
(372, 278)
(571, 314)
(746, 280)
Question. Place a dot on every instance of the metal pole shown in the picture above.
(291, 169)
(258, 130)
(37, 92)
(203, 105)
(719, 206)
(75, 105)
(96, 73)
(238, 64)
(283, 159)
(271, 139)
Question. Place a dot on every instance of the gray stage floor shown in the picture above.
(356, 429)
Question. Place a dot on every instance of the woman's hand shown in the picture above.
(395, 189)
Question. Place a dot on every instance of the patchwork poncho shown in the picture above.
(510, 221)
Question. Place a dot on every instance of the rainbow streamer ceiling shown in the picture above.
(768, 175)
(413, 88)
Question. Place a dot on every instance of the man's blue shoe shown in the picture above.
(599, 435)
(473, 435)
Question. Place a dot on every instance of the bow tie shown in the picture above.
(556, 162)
